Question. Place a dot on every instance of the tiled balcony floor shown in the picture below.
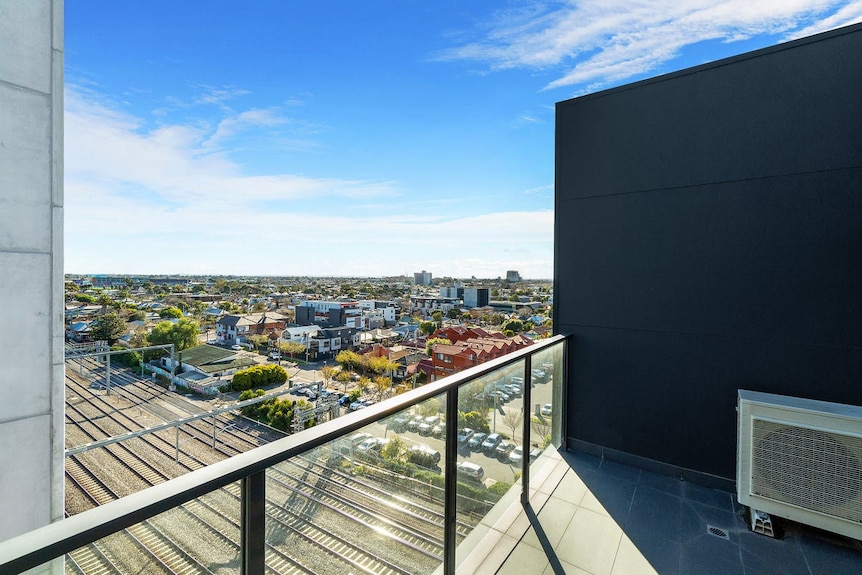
(601, 518)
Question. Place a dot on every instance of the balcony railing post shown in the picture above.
(254, 523)
(525, 434)
(450, 501)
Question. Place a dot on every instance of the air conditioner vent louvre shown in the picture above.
(808, 468)
(801, 459)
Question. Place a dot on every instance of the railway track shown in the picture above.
(326, 502)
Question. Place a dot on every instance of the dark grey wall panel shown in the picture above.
(708, 238)
(784, 110)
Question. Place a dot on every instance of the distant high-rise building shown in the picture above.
(422, 278)
(513, 276)
(476, 297)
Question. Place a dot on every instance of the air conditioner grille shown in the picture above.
(809, 468)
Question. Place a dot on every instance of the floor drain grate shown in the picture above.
(717, 532)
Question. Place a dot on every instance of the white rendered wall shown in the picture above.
(31, 264)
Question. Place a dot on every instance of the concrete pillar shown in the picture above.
(31, 264)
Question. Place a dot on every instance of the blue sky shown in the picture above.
(348, 138)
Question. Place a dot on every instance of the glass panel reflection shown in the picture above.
(546, 412)
(201, 536)
(368, 502)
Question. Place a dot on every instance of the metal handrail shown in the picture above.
(52, 541)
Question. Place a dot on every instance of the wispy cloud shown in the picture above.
(597, 42)
(172, 200)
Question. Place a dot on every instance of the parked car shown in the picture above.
(516, 456)
(464, 435)
(470, 470)
(438, 430)
(500, 396)
(503, 450)
(535, 453)
(517, 380)
(344, 400)
(428, 424)
(475, 442)
(307, 392)
(424, 456)
(413, 424)
(546, 409)
(491, 442)
(399, 422)
(513, 390)
(236, 347)
(371, 446)
(348, 444)
(275, 356)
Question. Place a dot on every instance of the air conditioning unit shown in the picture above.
(801, 459)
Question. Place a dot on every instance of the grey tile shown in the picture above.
(707, 555)
(654, 512)
(761, 554)
(662, 553)
(581, 461)
(659, 482)
(620, 471)
(696, 518)
(828, 556)
(706, 496)
(615, 495)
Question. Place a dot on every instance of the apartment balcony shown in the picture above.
(271, 510)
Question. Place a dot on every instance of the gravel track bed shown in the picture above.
(194, 537)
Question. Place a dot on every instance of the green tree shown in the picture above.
(258, 340)
(344, 378)
(171, 313)
(453, 313)
(139, 315)
(108, 327)
(291, 348)
(104, 300)
(437, 316)
(328, 372)
(514, 325)
(85, 298)
(381, 385)
(427, 327)
(348, 360)
(183, 334)
(429, 345)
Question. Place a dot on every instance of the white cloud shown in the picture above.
(141, 200)
(597, 42)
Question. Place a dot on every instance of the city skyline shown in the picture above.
(353, 140)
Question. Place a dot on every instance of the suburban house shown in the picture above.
(202, 368)
(469, 347)
(232, 329)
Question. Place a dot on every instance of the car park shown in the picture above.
(464, 435)
(516, 456)
(491, 442)
(547, 409)
(516, 380)
(428, 424)
(475, 442)
(470, 470)
(503, 450)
